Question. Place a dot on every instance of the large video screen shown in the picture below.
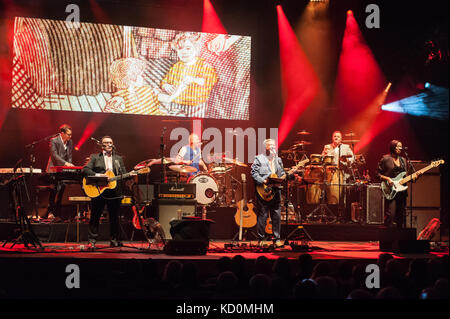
(129, 70)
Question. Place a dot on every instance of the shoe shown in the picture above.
(115, 243)
(263, 244)
(278, 243)
(50, 216)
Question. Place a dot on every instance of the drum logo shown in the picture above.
(203, 180)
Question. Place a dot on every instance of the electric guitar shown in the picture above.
(245, 217)
(399, 181)
(93, 191)
(268, 192)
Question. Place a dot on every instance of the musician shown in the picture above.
(337, 148)
(389, 167)
(191, 154)
(61, 148)
(98, 164)
(265, 165)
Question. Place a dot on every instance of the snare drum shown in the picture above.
(206, 188)
(316, 159)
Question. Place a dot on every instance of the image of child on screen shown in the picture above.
(133, 95)
(188, 83)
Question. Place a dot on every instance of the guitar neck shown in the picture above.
(414, 175)
(119, 177)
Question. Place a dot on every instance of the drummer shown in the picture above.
(191, 155)
(337, 148)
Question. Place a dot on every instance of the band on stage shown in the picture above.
(328, 180)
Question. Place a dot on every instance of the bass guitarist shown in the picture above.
(98, 165)
(389, 167)
(267, 166)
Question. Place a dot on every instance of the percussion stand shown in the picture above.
(323, 208)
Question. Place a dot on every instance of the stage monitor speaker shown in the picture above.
(421, 218)
(185, 247)
(190, 237)
(405, 246)
(168, 210)
(374, 204)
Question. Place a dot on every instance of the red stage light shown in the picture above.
(300, 84)
(211, 22)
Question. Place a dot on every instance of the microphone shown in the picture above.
(96, 141)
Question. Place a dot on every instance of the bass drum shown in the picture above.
(206, 188)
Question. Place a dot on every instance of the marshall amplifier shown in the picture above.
(175, 191)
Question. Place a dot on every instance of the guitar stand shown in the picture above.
(244, 235)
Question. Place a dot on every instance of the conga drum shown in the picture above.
(328, 160)
(333, 176)
(313, 176)
(315, 159)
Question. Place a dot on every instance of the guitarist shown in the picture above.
(389, 167)
(98, 164)
(265, 165)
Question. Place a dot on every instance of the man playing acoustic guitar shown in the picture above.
(268, 196)
(98, 165)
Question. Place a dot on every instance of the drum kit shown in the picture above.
(217, 186)
(326, 180)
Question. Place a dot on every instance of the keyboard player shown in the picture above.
(61, 148)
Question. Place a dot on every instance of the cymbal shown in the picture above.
(350, 141)
(183, 168)
(303, 132)
(234, 161)
(303, 142)
(151, 161)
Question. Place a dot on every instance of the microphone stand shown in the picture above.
(409, 164)
(339, 182)
(162, 147)
(32, 161)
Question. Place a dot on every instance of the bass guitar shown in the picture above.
(245, 217)
(399, 181)
(267, 192)
(107, 182)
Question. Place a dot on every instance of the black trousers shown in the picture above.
(396, 209)
(55, 198)
(98, 205)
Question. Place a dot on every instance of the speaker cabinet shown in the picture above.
(374, 204)
(426, 191)
(421, 218)
(225, 226)
(168, 210)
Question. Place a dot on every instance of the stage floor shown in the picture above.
(319, 250)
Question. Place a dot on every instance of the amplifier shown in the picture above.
(166, 210)
(374, 204)
(175, 191)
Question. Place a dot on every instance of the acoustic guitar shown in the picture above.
(245, 217)
(399, 181)
(269, 226)
(93, 191)
(267, 192)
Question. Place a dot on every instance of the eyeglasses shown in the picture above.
(107, 143)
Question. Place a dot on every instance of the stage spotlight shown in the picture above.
(427, 85)
(349, 12)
